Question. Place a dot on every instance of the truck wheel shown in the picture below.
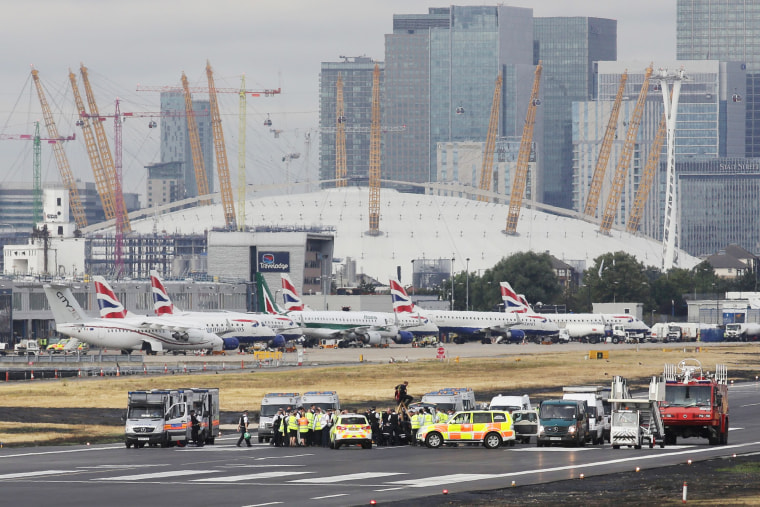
(261, 439)
(434, 440)
(492, 441)
(670, 438)
(615, 446)
(615, 340)
(637, 446)
(539, 443)
(128, 444)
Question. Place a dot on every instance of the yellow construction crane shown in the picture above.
(222, 168)
(374, 157)
(618, 182)
(523, 156)
(647, 177)
(341, 171)
(60, 156)
(102, 184)
(486, 170)
(201, 180)
(105, 153)
(604, 151)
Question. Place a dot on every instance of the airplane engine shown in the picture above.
(230, 343)
(404, 338)
(515, 335)
(372, 338)
(181, 335)
(277, 342)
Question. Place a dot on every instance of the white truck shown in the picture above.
(27, 347)
(451, 398)
(510, 403)
(270, 404)
(598, 423)
(162, 416)
(745, 332)
(322, 399)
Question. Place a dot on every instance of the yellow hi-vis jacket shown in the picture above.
(441, 417)
(416, 421)
(317, 423)
(310, 418)
(427, 419)
(292, 423)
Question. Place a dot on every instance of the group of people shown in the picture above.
(392, 428)
(302, 427)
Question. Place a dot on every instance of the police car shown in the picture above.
(351, 429)
(492, 429)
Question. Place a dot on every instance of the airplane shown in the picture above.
(507, 327)
(126, 333)
(275, 330)
(591, 327)
(233, 332)
(372, 328)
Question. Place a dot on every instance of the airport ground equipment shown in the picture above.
(597, 420)
(270, 404)
(636, 421)
(451, 398)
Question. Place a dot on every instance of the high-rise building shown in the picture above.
(357, 75)
(568, 48)
(729, 31)
(175, 139)
(441, 70)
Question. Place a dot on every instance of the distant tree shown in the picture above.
(617, 276)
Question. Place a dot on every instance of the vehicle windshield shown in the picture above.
(527, 416)
(624, 419)
(557, 411)
(687, 396)
(145, 412)
(353, 420)
(269, 410)
(505, 408)
(445, 406)
(592, 411)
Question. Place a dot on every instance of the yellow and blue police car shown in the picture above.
(351, 429)
(492, 429)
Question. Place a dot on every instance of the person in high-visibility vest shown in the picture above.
(316, 434)
(427, 418)
(310, 426)
(416, 423)
(293, 428)
(441, 416)
(284, 440)
(303, 427)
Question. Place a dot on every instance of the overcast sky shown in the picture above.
(275, 43)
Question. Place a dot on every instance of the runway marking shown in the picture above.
(328, 496)
(87, 449)
(262, 504)
(444, 479)
(157, 475)
(734, 429)
(347, 477)
(552, 449)
(37, 473)
(387, 489)
(246, 477)
(268, 465)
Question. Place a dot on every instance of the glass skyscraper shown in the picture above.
(729, 31)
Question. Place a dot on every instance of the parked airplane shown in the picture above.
(275, 330)
(591, 327)
(373, 328)
(508, 327)
(124, 334)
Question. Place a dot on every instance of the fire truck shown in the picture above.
(696, 402)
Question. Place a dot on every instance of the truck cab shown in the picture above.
(563, 422)
(270, 404)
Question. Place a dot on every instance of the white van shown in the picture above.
(598, 422)
(510, 403)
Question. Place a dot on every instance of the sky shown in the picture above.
(275, 44)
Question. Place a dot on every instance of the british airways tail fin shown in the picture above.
(290, 295)
(267, 304)
(109, 304)
(402, 303)
(65, 307)
(162, 303)
(512, 302)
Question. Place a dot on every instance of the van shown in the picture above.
(510, 403)
(451, 398)
(562, 422)
(598, 423)
(270, 404)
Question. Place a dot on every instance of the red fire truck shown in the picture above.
(696, 402)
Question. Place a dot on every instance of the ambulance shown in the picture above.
(490, 428)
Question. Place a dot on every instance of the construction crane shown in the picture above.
(102, 183)
(105, 151)
(199, 164)
(37, 163)
(60, 156)
(523, 156)
(604, 151)
(486, 171)
(618, 181)
(341, 171)
(647, 178)
(241, 156)
(222, 169)
(374, 157)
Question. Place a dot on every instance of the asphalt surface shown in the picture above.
(224, 474)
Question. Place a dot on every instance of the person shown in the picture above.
(327, 423)
(309, 426)
(276, 435)
(195, 426)
(441, 416)
(284, 436)
(293, 428)
(402, 396)
(316, 434)
(243, 429)
(303, 428)
(416, 423)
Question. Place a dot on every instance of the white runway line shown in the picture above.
(328, 496)
(250, 477)
(36, 473)
(157, 475)
(347, 477)
(443, 479)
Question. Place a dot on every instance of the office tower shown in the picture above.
(729, 31)
(175, 140)
(356, 75)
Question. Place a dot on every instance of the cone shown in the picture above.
(145, 369)
(32, 374)
(79, 372)
(118, 372)
(55, 373)
(101, 372)
(165, 369)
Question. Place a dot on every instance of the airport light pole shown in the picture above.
(467, 290)
(452, 283)
(412, 277)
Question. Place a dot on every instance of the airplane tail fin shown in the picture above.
(402, 303)
(109, 304)
(65, 307)
(162, 303)
(512, 302)
(290, 294)
(267, 304)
